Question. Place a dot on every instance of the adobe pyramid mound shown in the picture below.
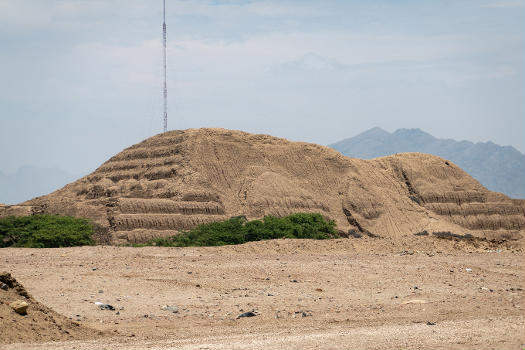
(179, 179)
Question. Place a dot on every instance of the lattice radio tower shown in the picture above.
(165, 90)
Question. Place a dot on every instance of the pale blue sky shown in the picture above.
(81, 79)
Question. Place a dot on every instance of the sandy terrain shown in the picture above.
(432, 297)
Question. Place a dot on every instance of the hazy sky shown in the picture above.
(81, 79)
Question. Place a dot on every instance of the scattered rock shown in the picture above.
(422, 233)
(302, 313)
(468, 269)
(318, 289)
(20, 307)
(103, 306)
(294, 281)
(406, 252)
(4, 286)
(354, 233)
(171, 308)
(431, 323)
(247, 314)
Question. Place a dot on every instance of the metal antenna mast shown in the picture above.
(165, 90)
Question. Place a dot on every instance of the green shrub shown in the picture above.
(237, 231)
(45, 231)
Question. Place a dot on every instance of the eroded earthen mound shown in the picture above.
(179, 179)
(39, 323)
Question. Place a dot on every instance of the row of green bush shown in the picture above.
(45, 231)
(238, 230)
(53, 231)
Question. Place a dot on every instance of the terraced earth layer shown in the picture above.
(179, 179)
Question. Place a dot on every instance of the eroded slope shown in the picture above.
(39, 324)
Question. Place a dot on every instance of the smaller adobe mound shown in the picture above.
(39, 324)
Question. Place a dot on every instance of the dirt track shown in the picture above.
(351, 298)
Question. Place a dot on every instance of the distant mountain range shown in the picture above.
(498, 168)
(29, 182)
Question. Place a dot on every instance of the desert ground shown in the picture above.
(433, 260)
(345, 293)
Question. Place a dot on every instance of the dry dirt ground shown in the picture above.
(367, 295)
